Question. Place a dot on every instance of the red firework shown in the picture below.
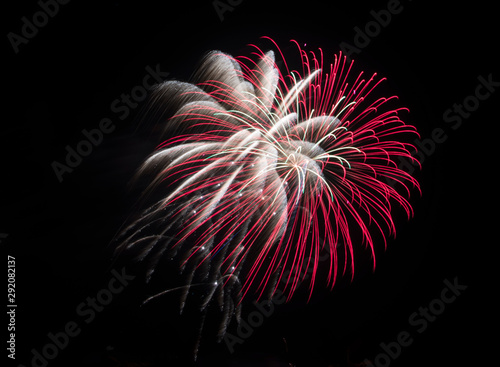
(264, 170)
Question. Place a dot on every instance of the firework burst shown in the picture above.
(262, 171)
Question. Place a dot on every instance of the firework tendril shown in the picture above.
(262, 171)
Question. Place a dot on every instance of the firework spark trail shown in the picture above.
(265, 169)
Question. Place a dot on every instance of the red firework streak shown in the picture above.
(264, 170)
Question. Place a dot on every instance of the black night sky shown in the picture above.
(73, 71)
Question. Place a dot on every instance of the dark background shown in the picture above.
(64, 80)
